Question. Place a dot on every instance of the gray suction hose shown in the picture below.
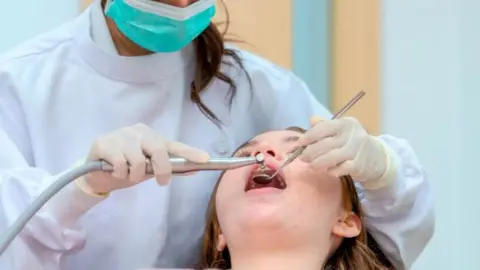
(53, 189)
(179, 165)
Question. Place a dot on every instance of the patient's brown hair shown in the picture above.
(358, 253)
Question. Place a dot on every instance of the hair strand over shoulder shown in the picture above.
(210, 55)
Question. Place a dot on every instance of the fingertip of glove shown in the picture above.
(315, 120)
(203, 157)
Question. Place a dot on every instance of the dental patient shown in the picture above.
(297, 220)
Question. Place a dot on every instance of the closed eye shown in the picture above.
(243, 153)
(293, 150)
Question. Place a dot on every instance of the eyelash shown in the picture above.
(246, 153)
(243, 153)
(293, 150)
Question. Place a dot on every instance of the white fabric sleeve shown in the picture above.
(400, 215)
(53, 231)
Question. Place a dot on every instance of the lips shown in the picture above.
(261, 178)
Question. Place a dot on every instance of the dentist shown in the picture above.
(130, 78)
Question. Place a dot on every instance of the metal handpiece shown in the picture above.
(182, 165)
(300, 150)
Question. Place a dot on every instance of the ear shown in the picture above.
(221, 242)
(348, 226)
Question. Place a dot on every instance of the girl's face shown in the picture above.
(299, 200)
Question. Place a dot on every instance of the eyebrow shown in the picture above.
(251, 143)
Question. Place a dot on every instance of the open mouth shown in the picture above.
(261, 178)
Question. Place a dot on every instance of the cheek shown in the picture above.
(323, 187)
(232, 182)
(230, 191)
(314, 197)
(222, 204)
(313, 208)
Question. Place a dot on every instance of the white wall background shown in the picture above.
(23, 19)
(431, 94)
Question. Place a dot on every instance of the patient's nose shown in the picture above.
(267, 150)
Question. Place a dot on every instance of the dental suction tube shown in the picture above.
(179, 165)
(44, 197)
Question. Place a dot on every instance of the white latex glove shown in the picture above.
(126, 150)
(343, 147)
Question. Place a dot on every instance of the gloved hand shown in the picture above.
(343, 147)
(126, 151)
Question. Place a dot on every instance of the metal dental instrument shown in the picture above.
(300, 150)
(179, 165)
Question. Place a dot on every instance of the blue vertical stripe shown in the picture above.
(311, 45)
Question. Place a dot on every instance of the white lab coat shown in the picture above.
(61, 90)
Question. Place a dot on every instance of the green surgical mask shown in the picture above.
(159, 27)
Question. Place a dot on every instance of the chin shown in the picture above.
(263, 216)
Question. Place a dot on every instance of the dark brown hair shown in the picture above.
(359, 253)
(210, 55)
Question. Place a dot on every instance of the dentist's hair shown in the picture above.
(211, 54)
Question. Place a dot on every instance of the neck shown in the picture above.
(124, 46)
(305, 259)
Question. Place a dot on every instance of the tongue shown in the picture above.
(261, 182)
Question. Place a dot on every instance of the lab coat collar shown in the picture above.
(97, 49)
(99, 32)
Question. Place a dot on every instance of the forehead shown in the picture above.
(278, 136)
(274, 137)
